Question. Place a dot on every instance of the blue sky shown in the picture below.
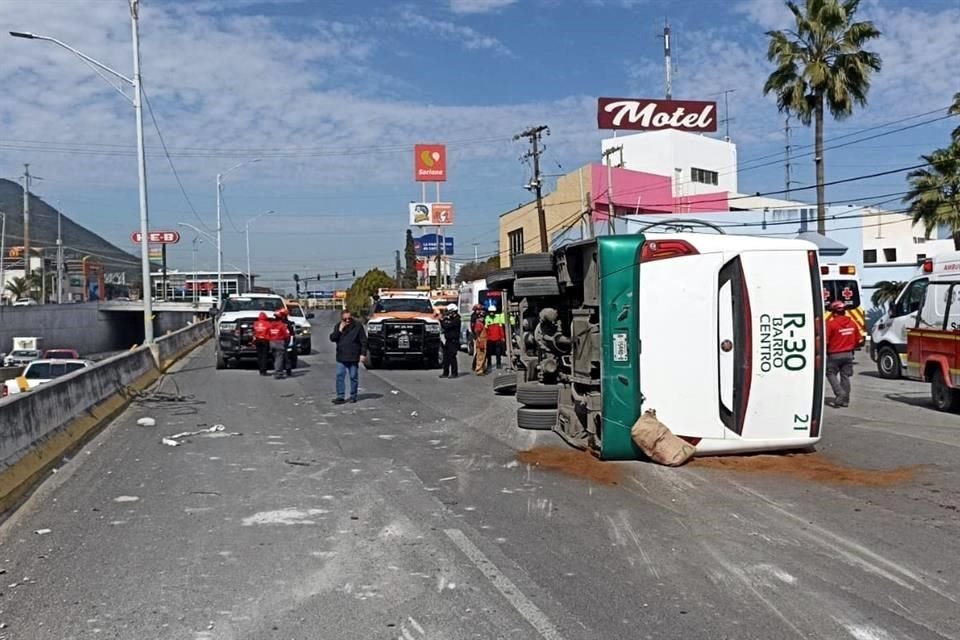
(333, 95)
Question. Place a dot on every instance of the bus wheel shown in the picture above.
(888, 363)
(944, 398)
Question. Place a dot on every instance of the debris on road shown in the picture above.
(814, 467)
(658, 442)
(147, 422)
(126, 499)
(42, 532)
(573, 462)
(394, 392)
(217, 430)
(414, 414)
(298, 463)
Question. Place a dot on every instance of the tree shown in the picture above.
(477, 270)
(363, 289)
(821, 64)
(18, 288)
(410, 267)
(934, 195)
(954, 110)
(886, 292)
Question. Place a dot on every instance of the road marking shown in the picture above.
(531, 613)
(894, 432)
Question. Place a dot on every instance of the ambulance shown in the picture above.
(841, 283)
(888, 339)
(933, 338)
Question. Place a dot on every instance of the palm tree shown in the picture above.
(18, 288)
(886, 292)
(934, 195)
(821, 64)
(954, 110)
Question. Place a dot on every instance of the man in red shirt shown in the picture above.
(843, 337)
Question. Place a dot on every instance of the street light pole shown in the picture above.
(220, 177)
(99, 68)
(3, 254)
(247, 233)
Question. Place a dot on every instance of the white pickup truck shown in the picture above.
(39, 372)
(24, 350)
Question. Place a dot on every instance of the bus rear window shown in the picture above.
(846, 291)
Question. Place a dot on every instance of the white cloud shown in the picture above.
(468, 37)
(479, 6)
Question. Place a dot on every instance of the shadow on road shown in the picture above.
(922, 401)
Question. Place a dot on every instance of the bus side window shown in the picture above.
(934, 306)
(911, 299)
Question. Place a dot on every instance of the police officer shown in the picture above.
(843, 338)
(450, 324)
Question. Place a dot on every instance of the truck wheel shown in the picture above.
(536, 286)
(221, 362)
(532, 264)
(888, 363)
(505, 384)
(536, 394)
(500, 280)
(944, 398)
(540, 419)
(306, 348)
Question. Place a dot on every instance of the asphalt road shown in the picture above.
(408, 516)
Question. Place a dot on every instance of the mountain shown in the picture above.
(78, 241)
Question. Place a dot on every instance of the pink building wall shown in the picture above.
(648, 193)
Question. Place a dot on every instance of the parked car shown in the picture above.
(20, 357)
(39, 372)
(61, 354)
(25, 302)
(301, 319)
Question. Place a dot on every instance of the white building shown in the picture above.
(696, 163)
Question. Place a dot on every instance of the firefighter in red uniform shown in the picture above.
(261, 338)
(278, 334)
(843, 338)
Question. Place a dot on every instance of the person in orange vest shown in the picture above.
(279, 334)
(261, 340)
(843, 338)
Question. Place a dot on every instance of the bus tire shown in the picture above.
(536, 286)
(888, 363)
(538, 419)
(532, 264)
(505, 384)
(944, 398)
(500, 280)
(538, 395)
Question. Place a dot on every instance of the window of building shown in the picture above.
(516, 242)
(919, 240)
(890, 254)
(869, 256)
(703, 176)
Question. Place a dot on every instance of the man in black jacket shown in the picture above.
(450, 323)
(351, 341)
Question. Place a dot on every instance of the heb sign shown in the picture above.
(430, 163)
(643, 114)
(157, 237)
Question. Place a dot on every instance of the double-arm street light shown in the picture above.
(246, 231)
(220, 177)
(135, 82)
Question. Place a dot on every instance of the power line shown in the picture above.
(173, 168)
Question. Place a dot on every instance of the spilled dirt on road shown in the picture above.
(572, 462)
(814, 467)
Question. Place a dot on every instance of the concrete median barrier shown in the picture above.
(38, 427)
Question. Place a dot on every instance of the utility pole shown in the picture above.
(726, 114)
(667, 59)
(146, 284)
(786, 166)
(533, 135)
(610, 207)
(26, 221)
(59, 257)
(3, 254)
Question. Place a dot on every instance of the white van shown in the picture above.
(888, 339)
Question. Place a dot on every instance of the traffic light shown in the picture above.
(296, 278)
(354, 273)
(318, 277)
(336, 275)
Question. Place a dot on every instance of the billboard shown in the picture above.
(426, 245)
(644, 114)
(431, 214)
(430, 163)
(157, 237)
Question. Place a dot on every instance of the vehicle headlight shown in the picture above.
(374, 328)
(228, 326)
(433, 328)
(304, 331)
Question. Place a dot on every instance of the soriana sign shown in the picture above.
(157, 237)
(643, 114)
(430, 163)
